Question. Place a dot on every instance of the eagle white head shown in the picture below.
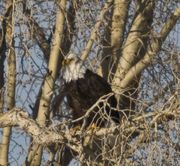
(72, 68)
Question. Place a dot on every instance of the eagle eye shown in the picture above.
(67, 61)
(70, 60)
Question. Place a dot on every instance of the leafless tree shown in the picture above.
(133, 44)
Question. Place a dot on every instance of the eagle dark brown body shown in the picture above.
(83, 93)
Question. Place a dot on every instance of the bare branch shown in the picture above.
(114, 37)
(135, 42)
(11, 85)
(48, 86)
(39, 35)
(17, 117)
(52, 66)
(2, 59)
(152, 50)
(45, 136)
(94, 31)
(40, 135)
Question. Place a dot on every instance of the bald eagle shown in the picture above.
(84, 89)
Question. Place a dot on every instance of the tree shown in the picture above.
(132, 44)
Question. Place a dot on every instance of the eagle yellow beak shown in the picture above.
(66, 62)
(63, 63)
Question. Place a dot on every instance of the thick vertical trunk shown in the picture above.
(133, 50)
(136, 42)
(47, 89)
(114, 38)
(2, 59)
(11, 83)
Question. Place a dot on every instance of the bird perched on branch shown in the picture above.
(89, 95)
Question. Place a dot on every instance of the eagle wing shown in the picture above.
(84, 92)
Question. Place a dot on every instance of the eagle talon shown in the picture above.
(92, 127)
(75, 129)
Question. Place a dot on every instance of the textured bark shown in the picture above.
(114, 38)
(94, 31)
(48, 86)
(39, 35)
(65, 47)
(112, 145)
(135, 42)
(11, 84)
(68, 33)
(2, 59)
(46, 135)
(47, 89)
(41, 135)
(152, 50)
(72, 139)
(133, 49)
